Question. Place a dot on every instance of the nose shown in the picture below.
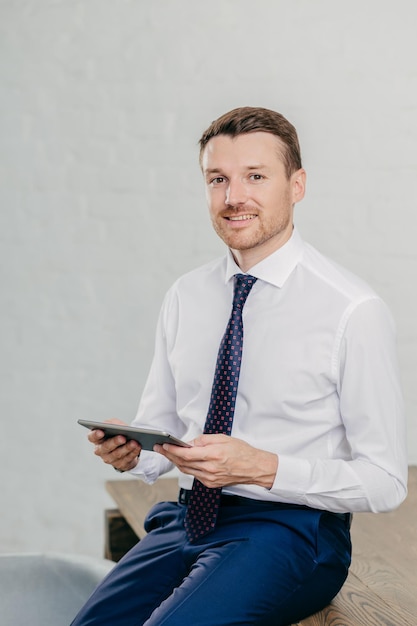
(236, 193)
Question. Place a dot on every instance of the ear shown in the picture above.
(298, 184)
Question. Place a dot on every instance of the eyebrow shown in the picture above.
(218, 170)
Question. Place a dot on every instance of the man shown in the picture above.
(314, 428)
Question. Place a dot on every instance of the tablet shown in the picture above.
(145, 436)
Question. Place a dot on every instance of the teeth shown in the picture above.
(241, 218)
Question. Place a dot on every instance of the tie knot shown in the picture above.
(243, 285)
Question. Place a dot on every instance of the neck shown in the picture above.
(246, 259)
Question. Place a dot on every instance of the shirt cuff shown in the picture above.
(292, 479)
(150, 466)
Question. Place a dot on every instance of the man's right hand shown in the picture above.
(116, 451)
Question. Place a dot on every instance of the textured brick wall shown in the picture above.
(102, 206)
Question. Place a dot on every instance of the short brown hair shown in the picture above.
(256, 119)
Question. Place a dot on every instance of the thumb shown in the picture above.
(207, 440)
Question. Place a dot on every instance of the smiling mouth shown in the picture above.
(240, 218)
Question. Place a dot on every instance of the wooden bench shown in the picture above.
(381, 589)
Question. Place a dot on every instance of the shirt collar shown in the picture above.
(277, 267)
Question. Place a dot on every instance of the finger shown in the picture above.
(179, 455)
(123, 453)
(110, 444)
(127, 462)
(208, 440)
(96, 435)
(116, 448)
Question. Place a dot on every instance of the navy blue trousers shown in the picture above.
(261, 565)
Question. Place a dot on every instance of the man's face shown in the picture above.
(249, 196)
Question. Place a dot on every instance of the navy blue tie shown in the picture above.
(204, 502)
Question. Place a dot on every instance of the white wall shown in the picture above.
(102, 205)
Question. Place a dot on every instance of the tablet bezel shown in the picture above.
(146, 437)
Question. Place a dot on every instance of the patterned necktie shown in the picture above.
(204, 502)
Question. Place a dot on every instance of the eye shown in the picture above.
(218, 180)
(256, 177)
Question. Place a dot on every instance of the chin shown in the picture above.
(239, 241)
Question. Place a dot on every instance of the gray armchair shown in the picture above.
(46, 589)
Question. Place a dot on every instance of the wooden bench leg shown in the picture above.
(119, 536)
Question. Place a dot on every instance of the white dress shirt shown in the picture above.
(319, 382)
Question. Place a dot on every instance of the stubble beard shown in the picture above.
(241, 240)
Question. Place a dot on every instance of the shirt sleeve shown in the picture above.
(157, 408)
(371, 407)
